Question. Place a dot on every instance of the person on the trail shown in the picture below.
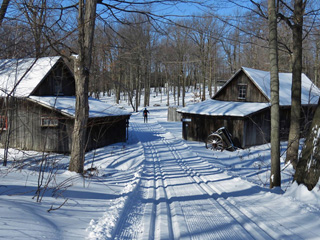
(145, 115)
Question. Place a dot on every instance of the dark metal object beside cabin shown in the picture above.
(220, 140)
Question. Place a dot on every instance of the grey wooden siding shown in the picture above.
(257, 129)
(198, 127)
(24, 116)
(106, 131)
(27, 133)
(173, 115)
(248, 131)
(230, 91)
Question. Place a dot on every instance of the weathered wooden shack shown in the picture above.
(37, 102)
(242, 105)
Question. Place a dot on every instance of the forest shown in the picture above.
(143, 45)
(126, 48)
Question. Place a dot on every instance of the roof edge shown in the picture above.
(59, 58)
(254, 82)
(230, 79)
(49, 107)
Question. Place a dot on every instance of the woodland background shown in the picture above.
(128, 47)
(168, 46)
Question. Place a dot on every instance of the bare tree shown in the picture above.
(36, 15)
(200, 36)
(275, 177)
(308, 167)
(82, 65)
(179, 44)
(297, 26)
(3, 10)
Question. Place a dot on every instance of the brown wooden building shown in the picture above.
(242, 105)
(38, 107)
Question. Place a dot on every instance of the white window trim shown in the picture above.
(241, 85)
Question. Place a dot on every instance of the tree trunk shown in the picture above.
(179, 87)
(137, 97)
(215, 70)
(275, 177)
(3, 10)
(146, 85)
(317, 64)
(82, 64)
(294, 133)
(308, 168)
(203, 70)
(168, 87)
(118, 86)
(9, 118)
(210, 76)
(183, 89)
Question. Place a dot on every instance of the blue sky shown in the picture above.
(221, 7)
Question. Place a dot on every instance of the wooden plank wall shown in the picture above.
(199, 127)
(106, 131)
(230, 92)
(28, 134)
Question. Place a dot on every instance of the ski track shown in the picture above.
(176, 190)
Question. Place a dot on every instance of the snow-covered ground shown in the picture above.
(155, 186)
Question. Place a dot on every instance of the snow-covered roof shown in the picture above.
(224, 108)
(66, 105)
(309, 92)
(20, 77)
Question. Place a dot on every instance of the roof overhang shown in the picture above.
(224, 108)
(66, 106)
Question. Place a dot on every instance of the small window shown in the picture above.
(3, 123)
(242, 91)
(49, 122)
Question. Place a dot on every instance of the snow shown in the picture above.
(301, 193)
(155, 186)
(19, 77)
(316, 134)
(224, 108)
(309, 92)
(67, 105)
(309, 95)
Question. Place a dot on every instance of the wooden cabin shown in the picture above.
(37, 100)
(242, 105)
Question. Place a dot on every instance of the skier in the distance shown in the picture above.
(145, 115)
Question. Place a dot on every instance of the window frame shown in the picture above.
(242, 91)
(49, 121)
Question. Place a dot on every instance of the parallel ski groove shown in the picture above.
(159, 225)
(189, 172)
(148, 216)
(181, 199)
(164, 223)
(257, 232)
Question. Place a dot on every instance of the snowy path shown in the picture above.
(158, 186)
(178, 197)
